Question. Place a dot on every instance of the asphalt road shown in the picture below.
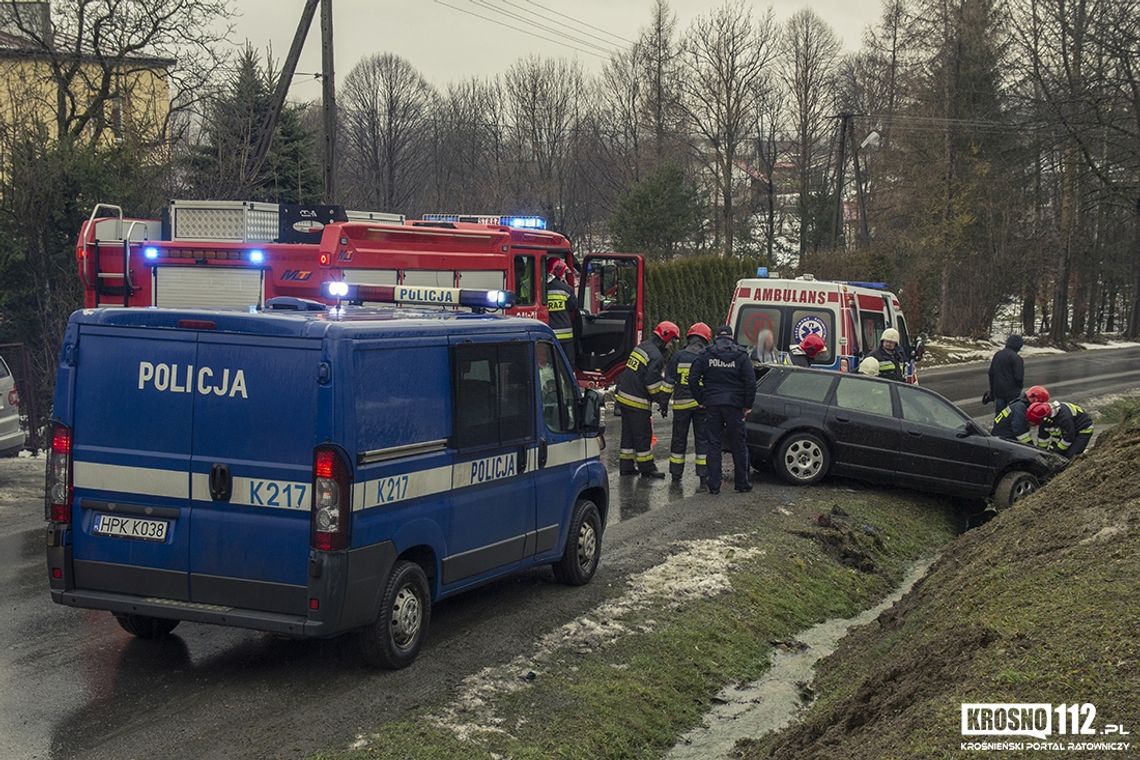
(74, 685)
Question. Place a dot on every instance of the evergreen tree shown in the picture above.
(657, 215)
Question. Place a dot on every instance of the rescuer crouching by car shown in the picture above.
(639, 386)
(806, 352)
(723, 381)
(1011, 422)
(1062, 427)
(686, 409)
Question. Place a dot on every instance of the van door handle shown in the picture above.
(541, 453)
(522, 459)
(221, 483)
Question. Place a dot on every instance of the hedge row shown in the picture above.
(692, 289)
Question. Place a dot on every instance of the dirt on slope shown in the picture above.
(1041, 605)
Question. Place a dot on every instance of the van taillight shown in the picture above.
(332, 500)
(59, 486)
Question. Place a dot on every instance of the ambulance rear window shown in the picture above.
(752, 320)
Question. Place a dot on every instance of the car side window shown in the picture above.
(809, 386)
(926, 409)
(868, 396)
(558, 399)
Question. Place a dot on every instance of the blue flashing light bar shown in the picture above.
(873, 285)
(413, 294)
(518, 222)
(762, 272)
(257, 257)
(150, 253)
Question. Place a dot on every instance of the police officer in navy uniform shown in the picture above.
(686, 410)
(562, 309)
(639, 386)
(723, 381)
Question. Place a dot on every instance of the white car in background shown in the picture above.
(11, 435)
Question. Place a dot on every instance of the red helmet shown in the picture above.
(1037, 393)
(558, 267)
(701, 330)
(667, 331)
(1038, 412)
(812, 345)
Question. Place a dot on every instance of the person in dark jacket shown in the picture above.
(723, 381)
(1007, 373)
(562, 309)
(686, 410)
(1064, 427)
(892, 363)
(639, 386)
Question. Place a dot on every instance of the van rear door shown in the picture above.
(131, 460)
(254, 431)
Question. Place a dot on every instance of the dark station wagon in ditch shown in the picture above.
(812, 423)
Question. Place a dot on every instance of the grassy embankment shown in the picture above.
(632, 693)
(1039, 605)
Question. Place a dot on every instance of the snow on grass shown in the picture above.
(1109, 344)
(697, 569)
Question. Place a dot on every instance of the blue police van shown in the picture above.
(310, 471)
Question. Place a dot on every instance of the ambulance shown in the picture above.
(850, 317)
(312, 470)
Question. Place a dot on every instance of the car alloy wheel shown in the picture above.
(803, 459)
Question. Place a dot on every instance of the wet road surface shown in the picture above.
(74, 685)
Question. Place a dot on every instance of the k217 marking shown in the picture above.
(274, 493)
(391, 489)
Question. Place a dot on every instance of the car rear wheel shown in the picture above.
(395, 638)
(1013, 487)
(146, 627)
(802, 459)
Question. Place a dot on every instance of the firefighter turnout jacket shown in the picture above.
(1012, 424)
(562, 306)
(1061, 430)
(642, 384)
(892, 365)
(677, 375)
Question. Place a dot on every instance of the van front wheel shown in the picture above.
(395, 638)
(145, 627)
(583, 546)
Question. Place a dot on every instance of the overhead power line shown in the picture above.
(520, 29)
(582, 23)
(558, 28)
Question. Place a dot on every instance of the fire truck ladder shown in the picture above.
(115, 284)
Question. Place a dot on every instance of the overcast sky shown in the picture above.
(446, 44)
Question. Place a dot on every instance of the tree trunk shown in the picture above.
(1029, 311)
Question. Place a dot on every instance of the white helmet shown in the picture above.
(869, 366)
(890, 334)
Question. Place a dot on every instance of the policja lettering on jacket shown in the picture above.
(723, 380)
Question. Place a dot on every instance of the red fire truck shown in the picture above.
(241, 253)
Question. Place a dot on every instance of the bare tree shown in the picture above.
(725, 57)
(387, 108)
(810, 54)
(659, 60)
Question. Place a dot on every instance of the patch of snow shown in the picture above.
(696, 570)
(1109, 344)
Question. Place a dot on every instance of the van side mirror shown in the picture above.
(919, 349)
(592, 415)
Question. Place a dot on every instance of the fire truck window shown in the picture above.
(872, 325)
(482, 280)
(524, 280)
(807, 321)
(610, 284)
(752, 320)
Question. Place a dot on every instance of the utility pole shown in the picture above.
(837, 219)
(328, 100)
(864, 228)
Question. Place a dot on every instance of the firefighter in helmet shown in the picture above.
(1063, 427)
(639, 386)
(892, 363)
(686, 410)
(805, 353)
(1011, 422)
(562, 308)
